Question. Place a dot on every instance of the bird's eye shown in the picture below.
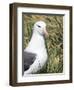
(39, 26)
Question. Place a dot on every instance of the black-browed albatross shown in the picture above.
(35, 54)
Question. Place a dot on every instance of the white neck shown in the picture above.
(36, 43)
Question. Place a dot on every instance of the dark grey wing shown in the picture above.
(29, 58)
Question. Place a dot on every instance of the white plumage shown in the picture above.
(37, 46)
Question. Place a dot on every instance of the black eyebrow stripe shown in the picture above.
(38, 25)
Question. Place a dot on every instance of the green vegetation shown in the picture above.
(54, 42)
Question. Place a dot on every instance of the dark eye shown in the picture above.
(39, 26)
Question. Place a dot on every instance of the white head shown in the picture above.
(40, 27)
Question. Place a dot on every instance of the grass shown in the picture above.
(54, 43)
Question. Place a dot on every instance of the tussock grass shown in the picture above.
(54, 43)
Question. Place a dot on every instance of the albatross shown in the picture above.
(35, 54)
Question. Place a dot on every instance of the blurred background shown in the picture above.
(54, 43)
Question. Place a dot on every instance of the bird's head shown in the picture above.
(40, 27)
